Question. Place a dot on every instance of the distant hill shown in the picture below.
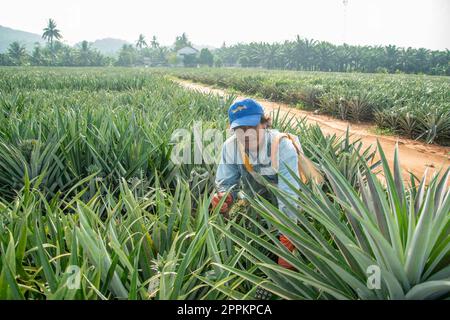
(108, 46)
(8, 35)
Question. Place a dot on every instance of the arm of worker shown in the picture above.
(228, 175)
(288, 158)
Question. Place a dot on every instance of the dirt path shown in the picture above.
(415, 156)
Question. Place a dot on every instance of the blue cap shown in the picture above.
(246, 112)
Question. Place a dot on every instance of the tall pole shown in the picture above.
(345, 2)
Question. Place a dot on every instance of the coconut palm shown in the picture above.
(182, 41)
(141, 43)
(85, 53)
(154, 43)
(307, 54)
(38, 55)
(51, 32)
(17, 53)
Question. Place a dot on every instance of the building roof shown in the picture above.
(187, 50)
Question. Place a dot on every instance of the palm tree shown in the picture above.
(85, 53)
(421, 59)
(17, 53)
(141, 43)
(392, 53)
(37, 57)
(268, 54)
(154, 43)
(324, 56)
(309, 45)
(308, 54)
(182, 41)
(51, 32)
(303, 52)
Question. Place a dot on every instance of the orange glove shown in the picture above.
(226, 205)
(290, 246)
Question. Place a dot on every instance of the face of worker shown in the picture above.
(250, 137)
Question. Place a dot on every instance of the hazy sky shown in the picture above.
(416, 23)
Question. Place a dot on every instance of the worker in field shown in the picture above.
(256, 155)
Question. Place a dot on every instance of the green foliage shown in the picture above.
(341, 236)
(86, 181)
(181, 42)
(72, 124)
(128, 56)
(190, 60)
(58, 55)
(17, 53)
(121, 246)
(206, 58)
(312, 55)
(88, 189)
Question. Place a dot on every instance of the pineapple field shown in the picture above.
(414, 106)
(92, 207)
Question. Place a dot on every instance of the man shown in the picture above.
(250, 153)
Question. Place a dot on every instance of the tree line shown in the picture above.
(56, 53)
(312, 55)
(299, 54)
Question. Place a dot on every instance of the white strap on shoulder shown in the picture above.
(296, 143)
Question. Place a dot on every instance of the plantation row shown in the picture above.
(417, 107)
(92, 208)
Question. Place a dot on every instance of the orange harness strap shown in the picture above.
(298, 149)
(248, 166)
